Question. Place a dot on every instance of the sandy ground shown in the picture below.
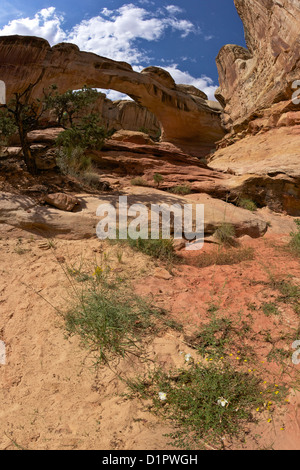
(51, 397)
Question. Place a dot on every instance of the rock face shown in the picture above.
(264, 168)
(254, 79)
(130, 158)
(126, 115)
(186, 118)
(258, 90)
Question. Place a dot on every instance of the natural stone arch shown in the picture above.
(187, 118)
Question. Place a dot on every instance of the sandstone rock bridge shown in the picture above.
(187, 118)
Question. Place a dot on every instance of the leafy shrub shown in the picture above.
(86, 135)
(7, 127)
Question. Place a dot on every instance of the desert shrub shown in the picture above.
(158, 178)
(7, 127)
(247, 204)
(160, 249)
(181, 189)
(109, 322)
(225, 233)
(138, 181)
(88, 134)
(204, 403)
(91, 179)
(73, 161)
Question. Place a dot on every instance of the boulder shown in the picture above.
(64, 202)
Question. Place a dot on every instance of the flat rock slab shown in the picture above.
(22, 212)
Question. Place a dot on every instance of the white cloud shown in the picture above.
(203, 83)
(114, 95)
(113, 34)
(46, 24)
(174, 9)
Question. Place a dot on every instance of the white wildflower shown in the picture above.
(162, 396)
(222, 401)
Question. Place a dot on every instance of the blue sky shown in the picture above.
(182, 36)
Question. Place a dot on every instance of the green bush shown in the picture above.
(181, 189)
(86, 135)
(7, 127)
(205, 403)
(158, 178)
(247, 204)
(108, 324)
(161, 249)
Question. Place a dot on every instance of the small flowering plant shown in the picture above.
(205, 401)
(162, 396)
(222, 402)
(98, 272)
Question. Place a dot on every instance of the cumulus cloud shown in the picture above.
(112, 33)
(46, 24)
(202, 83)
(115, 34)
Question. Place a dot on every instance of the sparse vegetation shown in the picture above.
(160, 249)
(247, 204)
(270, 308)
(295, 239)
(138, 181)
(225, 233)
(222, 257)
(73, 161)
(110, 323)
(204, 403)
(158, 178)
(181, 189)
(215, 338)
